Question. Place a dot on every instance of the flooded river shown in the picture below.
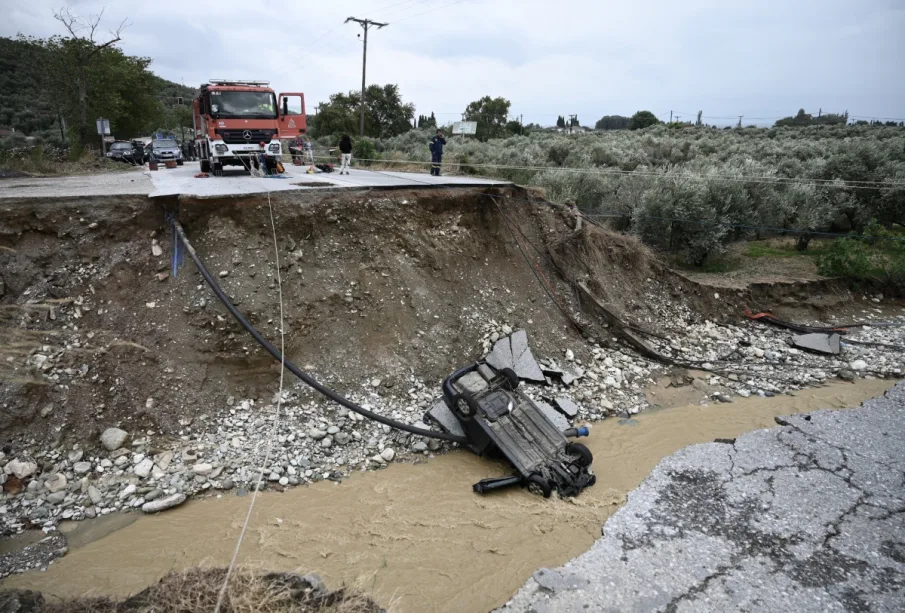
(414, 535)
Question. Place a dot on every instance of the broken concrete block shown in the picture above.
(818, 343)
(566, 406)
(440, 414)
(501, 355)
(526, 366)
(553, 415)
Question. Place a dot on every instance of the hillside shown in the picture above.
(23, 105)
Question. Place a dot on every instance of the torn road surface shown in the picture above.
(809, 516)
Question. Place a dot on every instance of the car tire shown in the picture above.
(536, 484)
(205, 166)
(585, 457)
(217, 169)
(466, 405)
(510, 380)
(179, 162)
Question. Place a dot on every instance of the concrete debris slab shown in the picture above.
(567, 406)
(440, 414)
(500, 356)
(525, 365)
(553, 415)
(513, 352)
(818, 342)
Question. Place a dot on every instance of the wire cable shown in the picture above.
(276, 422)
(295, 370)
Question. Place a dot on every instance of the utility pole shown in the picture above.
(572, 119)
(670, 116)
(365, 25)
(740, 120)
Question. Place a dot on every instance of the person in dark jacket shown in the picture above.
(436, 147)
(345, 150)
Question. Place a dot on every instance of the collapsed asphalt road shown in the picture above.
(808, 516)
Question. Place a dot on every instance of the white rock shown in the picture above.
(113, 438)
(130, 489)
(858, 365)
(94, 494)
(56, 483)
(161, 504)
(570, 355)
(284, 481)
(143, 468)
(202, 468)
(156, 249)
(388, 454)
(22, 469)
(81, 468)
(163, 460)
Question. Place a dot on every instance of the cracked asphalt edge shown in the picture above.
(806, 516)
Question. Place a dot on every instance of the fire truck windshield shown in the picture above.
(260, 105)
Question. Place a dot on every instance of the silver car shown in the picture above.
(164, 150)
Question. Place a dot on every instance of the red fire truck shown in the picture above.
(240, 123)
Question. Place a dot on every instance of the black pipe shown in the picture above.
(305, 377)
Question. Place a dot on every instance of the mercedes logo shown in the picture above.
(246, 134)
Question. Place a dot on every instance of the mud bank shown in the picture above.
(415, 533)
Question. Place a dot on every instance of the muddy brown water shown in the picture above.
(414, 535)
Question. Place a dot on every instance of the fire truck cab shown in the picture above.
(240, 123)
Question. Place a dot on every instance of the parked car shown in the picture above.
(120, 151)
(163, 150)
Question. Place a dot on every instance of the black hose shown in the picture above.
(305, 377)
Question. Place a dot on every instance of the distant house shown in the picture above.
(4, 132)
(575, 130)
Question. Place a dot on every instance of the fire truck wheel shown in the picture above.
(218, 169)
(510, 379)
(536, 484)
(584, 454)
(205, 166)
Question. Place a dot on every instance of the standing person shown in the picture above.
(345, 149)
(296, 149)
(309, 150)
(436, 147)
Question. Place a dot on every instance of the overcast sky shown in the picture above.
(761, 59)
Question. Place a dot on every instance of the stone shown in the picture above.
(56, 497)
(327, 441)
(419, 447)
(81, 468)
(21, 469)
(163, 459)
(75, 455)
(846, 375)
(858, 365)
(153, 494)
(162, 504)
(284, 481)
(113, 438)
(94, 495)
(317, 434)
(128, 491)
(570, 355)
(223, 274)
(156, 249)
(46, 411)
(557, 581)
(388, 454)
(56, 483)
(143, 468)
(501, 355)
(202, 468)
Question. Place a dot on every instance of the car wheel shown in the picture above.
(510, 379)
(585, 457)
(536, 484)
(205, 166)
(179, 162)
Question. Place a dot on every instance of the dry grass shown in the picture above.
(249, 591)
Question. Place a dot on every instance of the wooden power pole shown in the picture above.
(365, 25)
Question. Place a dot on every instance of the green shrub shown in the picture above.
(846, 258)
(364, 149)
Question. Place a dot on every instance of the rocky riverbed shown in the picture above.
(133, 471)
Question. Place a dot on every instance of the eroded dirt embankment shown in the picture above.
(379, 285)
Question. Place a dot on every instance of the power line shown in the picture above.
(430, 11)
